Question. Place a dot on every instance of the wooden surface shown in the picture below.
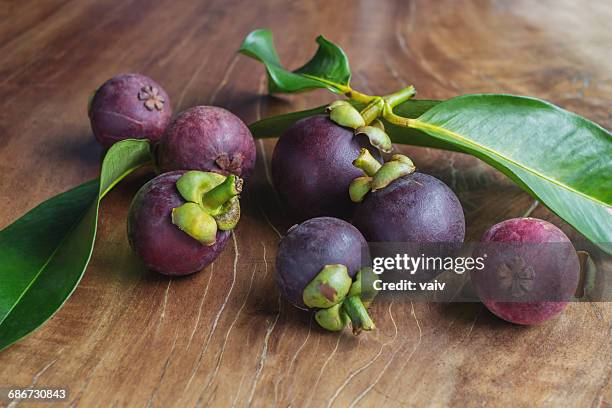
(128, 337)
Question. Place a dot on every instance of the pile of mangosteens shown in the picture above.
(180, 221)
(330, 173)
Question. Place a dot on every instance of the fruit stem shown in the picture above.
(344, 89)
(358, 96)
(377, 106)
(357, 312)
(366, 162)
(400, 96)
(373, 110)
(231, 186)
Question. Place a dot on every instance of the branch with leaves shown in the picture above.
(560, 158)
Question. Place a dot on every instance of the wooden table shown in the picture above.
(223, 336)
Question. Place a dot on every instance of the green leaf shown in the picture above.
(328, 68)
(274, 126)
(562, 159)
(44, 254)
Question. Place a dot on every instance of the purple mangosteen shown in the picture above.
(312, 167)
(316, 264)
(207, 138)
(129, 106)
(179, 222)
(397, 204)
(531, 270)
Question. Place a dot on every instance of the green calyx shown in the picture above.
(193, 184)
(377, 136)
(346, 115)
(198, 224)
(328, 288)
(366, 162)
(339, 299)
(333, 318)
(359, 187)
(588, 277)
(358, 314)
(364, 286)
(212, 204)
(377, 176)
(364, 122)
(367, 123)
(229, 215)
(397, 167)
(335, 104)
(215, 199)
(378, 124)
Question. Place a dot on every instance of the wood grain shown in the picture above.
(128, 337)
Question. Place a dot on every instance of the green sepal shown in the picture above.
(333, 318)
(335, 104)
(402, 159)
(366, 162)
(328, 288)
(357, 312)
(193, 184)
(378, 138)
(588, 280)
(214, 199)
(346, 115)
(199, 225)
(359, 187)
(229, 215)
(392, 170)
(377, 123)
(212, 203)
(363, 286)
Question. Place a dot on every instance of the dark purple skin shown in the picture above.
(417, 208)
(546, 250)
(207, 138)
(308, 247)
(312, 167)
(116, 111)
(161, 245)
